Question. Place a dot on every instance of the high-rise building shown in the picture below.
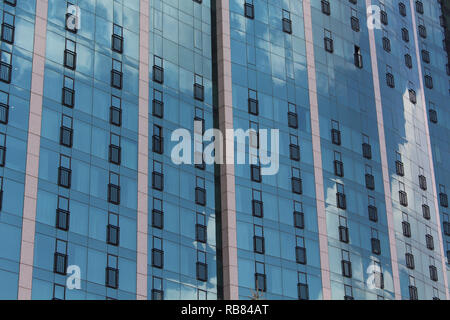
(99, 199)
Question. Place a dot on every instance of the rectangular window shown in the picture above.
(116, 74)
(299, 217)
(157, 176)
(253, 107)
(157, 214)
(366, 148)
(408, 61)
(386, 43)
(402, 9)
(296, 181)
(114, 188)
(354, 21)
(157, 253)
(59, 291)
(422, 29)
(70, 55)
(66, 131)
(5, 67)
(443, 199)
(113, 229)
(433, 116)
(302, 286)
(287, 22)
(63, 214)
(300, 250)
(157, 140)
(399, 168)
(255, 173)
(157, 288)
(405, 35)
(370, 180)
(249, 9)
(292, 116)
(2, 149)
(68, 98)
(257, 204)
(412, 289)
(326, 7)
(346, 264)
(199, 89)
(200, 228)
(1, 193)
(10, 2)
(425, 56)
(117, 39)
(158, 104)
(378, 275)
(258, 239)
(294, 149)
(375, 241)
(406, 227)
(112, 272)
(338, 164)
(64, 172)
(343, 230)
(328, 41)
(389, 77)
(341, 200)
(422, 179)
(428, 79)
(200, 191)
(348, 292)
(383, 15)
(373, 211)
(260, 277)
(8, 27)
(60, 257)
(4, 107)
(429, 239)
(335, 133)
(158, 69)
(115, 111)
(425, 209)
(202, 266)
(403, 196)
(358, 57)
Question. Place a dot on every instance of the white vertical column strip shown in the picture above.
(384, 161)
(142, 210)
(33, 148)
(317, 153)
(430, 154)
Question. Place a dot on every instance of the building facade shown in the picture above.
(97, 94)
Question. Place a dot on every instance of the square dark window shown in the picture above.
(346, 268)
(326, 7)
(426, 211)
(355, 24)
(303, 291)
(292, 120)
(157, 219)
(199, 93)
(300, 255)
(158, 181)
(433, 116)
(4, 113)
(200, 196)
(367, 150)
(399, 168)
(341, 201)
(294, 152)
(253, 106)
(328, 42)
(406, 228)
(408, 61)
(338, 168)
(117, 43)
(115, 154)
(297, 186)
(113, 194)
(249, 10)
(430, 242)
(157, 258)
(113, 234)
(422, 182)
(157, 144)
(260, 282)
(413, 293)
(433, 273)
(390, 80)
(258, 244)
(373, 213)
(60, 263)
(376, 246)
(116, 79)
(409, 258)
(62, 219)
(112, 278)
(115, 116)
(287, 25)
(70, 59)
(257, 208)
(443, 199)
(343, 234)
(64, 177)
(255, 173)
(299, 220)
(370, 182)
(158, 108)
(202, 271)
(336, 136)
(200, 233)
(68, 97)
(158, 74)
(403, 198)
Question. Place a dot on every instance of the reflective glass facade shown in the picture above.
(93, 94)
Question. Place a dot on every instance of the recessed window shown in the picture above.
(157, 139)
(200, 191)
(200, 228)
(358, 57)
(157, 253)
(202, 266)
(402, 9)
(70, 55)
(375, 241)
(300, 250)
(117, 39)
(429, 239)
(255, 173)
(157, 214)
(425, 209)
(433, 115)
(158, 69)
(419, 7)
(199, 89)
(157, 288)
(412, 96)
(372, 209)
(8, 27)
(326, 7)
(422, 179)
(294, 149)
(399, 168)
(346, 264)
(389, 77)
(403, 197)
(338, 164)
(157, 176)
(343, 230)
(409, 258)
(60, 257)
(366, 148)
(2, 149)
(5, 66)
(66, 131)
(260, 277)
(341, 200)
(257, 204)
(428, 79)
(115, 111)
(386, 42)
(68, 98)
(422, 28)
(302, 287)
(443, 199)
(258, 239)
(425, 56)
(335, 133)
(412, 289)
(59, 291)
(328, 41)
(114, 188)
(116, 74)
(112, 272)
(63, 214)
(406, 227)
(158, 104)
(113, 229)
(348, 292)
(287, 22)
(253, 102)
(4, 107)
(383, 15)
(370, 180)
(408, 61)
(405, 34)
(299, 216)
(64, 172)
(354, 21)
(292, 116)
(296, 181)
(249, 9)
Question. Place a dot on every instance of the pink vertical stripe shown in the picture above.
(317, 151)
(430, 154)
